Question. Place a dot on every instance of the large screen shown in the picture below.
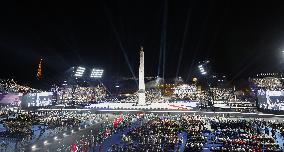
(272, 100)
(37, 99)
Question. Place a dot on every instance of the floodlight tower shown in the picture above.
(79, 72)
(96, 73)
(204, 69)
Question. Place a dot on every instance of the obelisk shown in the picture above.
(141, 91)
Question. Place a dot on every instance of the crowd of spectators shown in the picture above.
(10, 86)
(188, 92)
(245, 135)
(193, 133)
(151, 136)
(149, 132)
(152, 95)
(269, 83)
(21, 125)
(222, 93)
(108, 99)
(82, 94)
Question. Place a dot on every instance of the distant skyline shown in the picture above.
(240, 38)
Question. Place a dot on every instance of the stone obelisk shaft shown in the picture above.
(141, 91)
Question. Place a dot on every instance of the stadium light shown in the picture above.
(79, 72)
(96, 73)
(202, 70)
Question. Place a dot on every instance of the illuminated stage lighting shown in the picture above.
(79, 72)
(96, 73)
(202, 68)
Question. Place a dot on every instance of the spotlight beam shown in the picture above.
(183, 40)
(197, 48)
(162, 55)
(248, 64)
(108, 14)
(164, 37)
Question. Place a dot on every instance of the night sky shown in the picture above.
(240, 38)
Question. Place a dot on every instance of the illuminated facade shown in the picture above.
(39, 70)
